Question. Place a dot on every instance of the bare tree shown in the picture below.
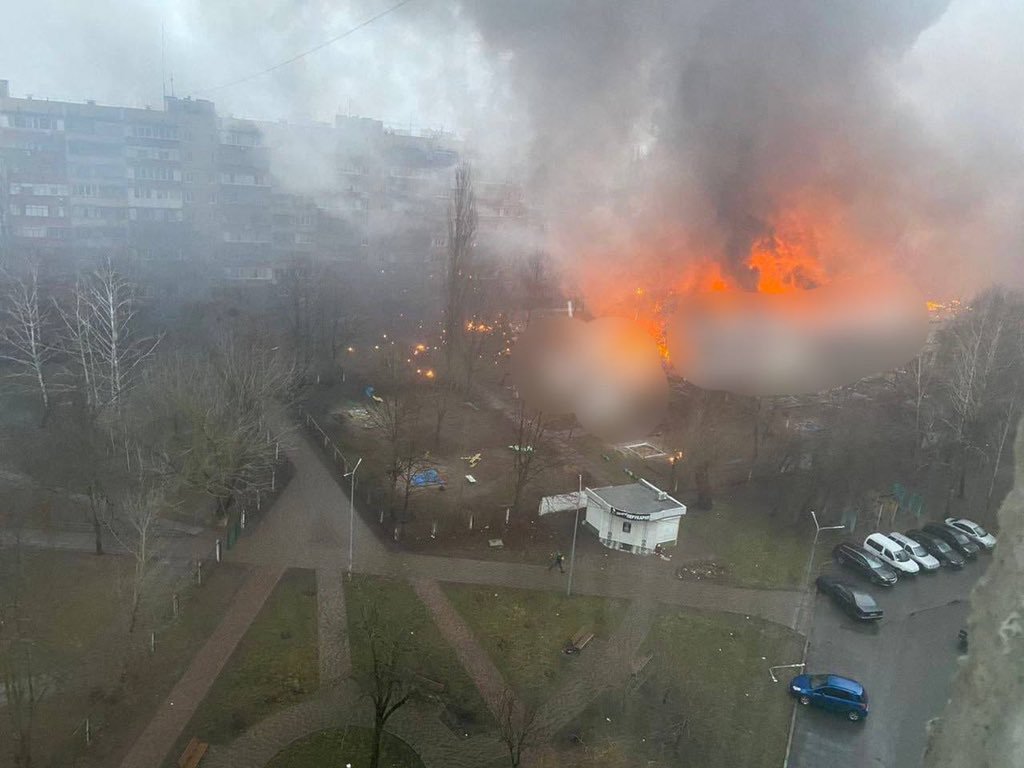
(975, 340)
(409, 466)
(396, 413)
(208, 418)
(103, 336)
(132, 523)
(529, 455)
(77, 343)
(387, 681)
(23, 335)
(462, 224)
(517, 725)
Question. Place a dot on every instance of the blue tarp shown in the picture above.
(427, 477)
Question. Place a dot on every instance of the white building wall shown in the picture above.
(642, 534)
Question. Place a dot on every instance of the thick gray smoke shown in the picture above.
(671, 132)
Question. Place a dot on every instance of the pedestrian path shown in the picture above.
(166, 727)
(332, 627)
(474, 659)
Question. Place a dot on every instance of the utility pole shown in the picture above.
(814, 545)
(352, 516)
(575, 528)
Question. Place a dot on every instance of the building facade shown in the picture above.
(246, 196)
(633, 518)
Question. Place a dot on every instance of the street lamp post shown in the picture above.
(575, 528)
(352, 515)
(673, 460)
(814, 546)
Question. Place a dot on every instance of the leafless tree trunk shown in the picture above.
(1011, 417)
(975, 339)
(462, 223)
(396, 413)
(79, 346)
(408, 467)
(527, 461)
(103, 320)
(387, 682)
(22, 339)
(517, 725)
(134, 528)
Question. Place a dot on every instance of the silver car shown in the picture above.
(973, 531)
(929, 563)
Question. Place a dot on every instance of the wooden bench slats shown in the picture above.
(193, 754)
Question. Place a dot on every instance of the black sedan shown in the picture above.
(860, 605)
(937, 547)
(954, 538)
(867, 565)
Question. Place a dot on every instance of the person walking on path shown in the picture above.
(557, 559)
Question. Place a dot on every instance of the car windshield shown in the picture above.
(901, 556)
(978, 530)
(942, 546)
(817, 681)
(865, 601)
(873, 561)
(917, 550)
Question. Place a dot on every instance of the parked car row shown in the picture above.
(882, 559)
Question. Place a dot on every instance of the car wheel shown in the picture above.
(853, 715)
(805, 700)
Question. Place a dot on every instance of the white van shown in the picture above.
(890, 552)
(916, 552)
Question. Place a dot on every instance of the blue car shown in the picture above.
(832, 692)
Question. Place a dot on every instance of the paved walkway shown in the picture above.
(308, 527)
(332, 627)
(166, 727)
(473, 658)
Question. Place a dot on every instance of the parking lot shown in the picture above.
(905, 663)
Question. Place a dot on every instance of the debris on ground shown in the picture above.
(698, 571)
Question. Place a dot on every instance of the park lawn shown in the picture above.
(706, 698)
(345, 746)
(524, 632)
(274, 666)
(430, 655)
(75, 608)
(754, 549)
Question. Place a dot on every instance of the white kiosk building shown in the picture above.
(634, 518)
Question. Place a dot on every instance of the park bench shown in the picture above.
(579, 641)
(193, 753)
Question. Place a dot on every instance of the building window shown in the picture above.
(15, 209)
(627, 527)
(32, 232)
(188, 196)
(37, 210)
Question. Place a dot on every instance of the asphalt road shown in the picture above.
(905, 662)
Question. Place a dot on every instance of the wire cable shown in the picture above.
(302, 55)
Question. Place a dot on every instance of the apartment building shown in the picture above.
(244, 196)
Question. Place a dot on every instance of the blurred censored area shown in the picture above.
(610, 374)
(607, 372)
(796, 343)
